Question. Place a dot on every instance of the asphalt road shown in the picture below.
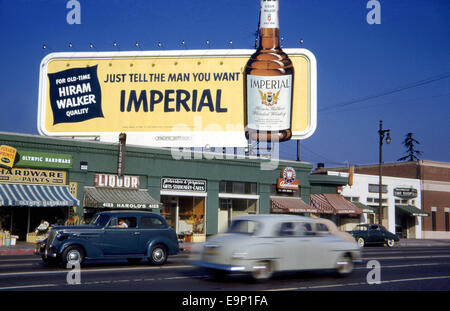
(400, 269)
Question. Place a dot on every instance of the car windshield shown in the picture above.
(244, 227)
(99, 220)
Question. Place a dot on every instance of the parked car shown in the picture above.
(366, 234)
(114, 234)
(263, 244)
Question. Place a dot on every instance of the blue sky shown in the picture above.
(397, 71)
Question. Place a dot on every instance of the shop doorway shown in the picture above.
(186, 214)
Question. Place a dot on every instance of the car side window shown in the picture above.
(287, 229)
(374, 227)
(304, 229)
(123, 222)
(151, 223)
(361, 228)
(322, 228)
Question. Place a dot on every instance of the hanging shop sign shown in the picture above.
(33, 176)
(405, 193)
(288, 181)
(189, 98)
(43, 159)
(7, 156)
(183, 184)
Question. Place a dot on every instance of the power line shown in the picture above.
(387, 92)
(344, 109)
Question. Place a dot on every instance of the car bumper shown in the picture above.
(210, 265)
(41, 250)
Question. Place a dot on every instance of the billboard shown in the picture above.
(187, 98)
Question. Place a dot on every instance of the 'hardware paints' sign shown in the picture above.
(189, 98)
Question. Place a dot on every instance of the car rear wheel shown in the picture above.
(390, 242)
(361, 242)
(158, 255)
(72, 254)
(262, 270)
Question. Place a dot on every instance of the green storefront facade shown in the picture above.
(210, 185)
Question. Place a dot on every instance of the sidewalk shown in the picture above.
(24, 248)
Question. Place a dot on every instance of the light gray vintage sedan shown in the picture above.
(263, 244)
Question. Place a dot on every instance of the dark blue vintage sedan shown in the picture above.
(366, 234)
(114, 234)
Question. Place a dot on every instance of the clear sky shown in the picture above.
(397, 71)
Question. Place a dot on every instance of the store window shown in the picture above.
(375, 188)
(237, 187)
(186, 214)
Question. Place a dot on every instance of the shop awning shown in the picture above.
(366, 208)
(287, 205)
(35, 195)
(328, 203)
(410, 210)
(97, 197)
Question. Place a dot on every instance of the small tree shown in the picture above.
(411, 153)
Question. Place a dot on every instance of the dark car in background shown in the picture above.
(366, 234)
(133, 235)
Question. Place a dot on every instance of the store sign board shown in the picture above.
(188, 98)
(7, 156)
(183, 184)
(405, 193)
(33, 176)
(288, 181)
(114, 181)
(43, 159)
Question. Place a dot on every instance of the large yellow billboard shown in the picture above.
(189, 98)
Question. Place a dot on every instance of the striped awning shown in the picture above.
(35, 195)
(288, 205)
(98, 197)
(328, 203)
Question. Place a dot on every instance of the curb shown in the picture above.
(16, 252)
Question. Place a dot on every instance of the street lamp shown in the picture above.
(382, 134)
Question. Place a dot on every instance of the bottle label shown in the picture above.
(269, 14)
(269, 102)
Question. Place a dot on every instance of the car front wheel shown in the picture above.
(72, 255)
(262, 270)
(158, 255)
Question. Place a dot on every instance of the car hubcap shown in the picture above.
(361, 242)
(73, 256)
(345, 265)
(390, 242)
(262, 270)
(158, 254)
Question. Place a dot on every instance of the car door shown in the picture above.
(150, 229)
(121, 240)
(375, 234)
(294, 247)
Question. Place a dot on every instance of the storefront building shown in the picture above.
(34, 188)
(198, 193)
(433, 195)
(401, 202)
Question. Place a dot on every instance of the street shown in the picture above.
(402, 268)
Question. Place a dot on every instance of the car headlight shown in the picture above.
(239, 255)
